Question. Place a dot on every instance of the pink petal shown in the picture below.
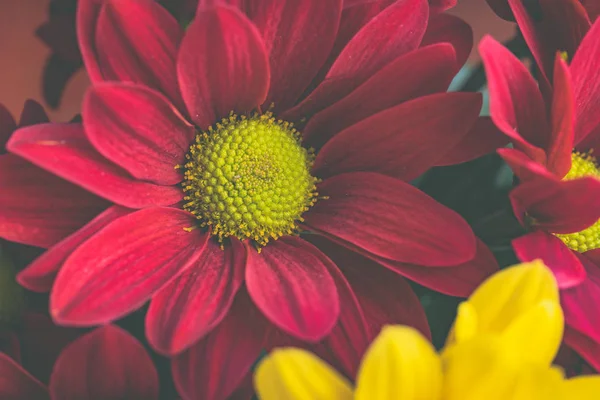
(216, 365)
(418, 73)
(483, 138)
(87, 20)
(138, 129)
(122, 266)
(585, 70)
(563, 262)
(290, 283)
(403, 141)
(395, 31)
(195, 302)
(562, 117)
(222, 65)
(446, 28)
(137, 41)
(441, 5)
(107, 363)
(33, 113)
(17, 383)
(298, 37)
(39, 276)
(391, 219)
(38, 208)
(64, 150)
(516, 104)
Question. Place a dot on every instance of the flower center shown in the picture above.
(249, 178)
(582, 165)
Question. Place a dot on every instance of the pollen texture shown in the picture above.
(582, 165)
(249, 178)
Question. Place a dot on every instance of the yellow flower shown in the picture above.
(501, 347)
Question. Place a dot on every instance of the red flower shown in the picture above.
(557, 197)
(107, 363)
(360, 89)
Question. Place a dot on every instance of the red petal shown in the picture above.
(38, 208)
(7, 126)
(446, 28)
(137, 41)
(593, 9)
(216, 365)
(196, 301)
(222, 65)
(138, 129)
(585, 70)
(441, 5)
(403, 141)
(290, 284)
(579, 303)
(123, 265)
(87, 20)
(565, 265)
(562, 114)
(17, 383)
(298, 37)
(391, 219)
(64, 150)
(501, 8)
(395, 31)
(33, 113)
(40, 274)
(587, 348)
(483, 138)
(107, 363)
(418, 73)
(516, 104)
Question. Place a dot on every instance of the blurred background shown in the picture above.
(23, 56)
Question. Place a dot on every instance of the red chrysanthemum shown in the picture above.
(559, 179)
(219, 203)
(107, 363)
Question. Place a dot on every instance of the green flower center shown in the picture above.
(249, 178)
(582, 165)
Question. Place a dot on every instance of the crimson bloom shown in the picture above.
(106, 363)
(559, 180)
(220, 203)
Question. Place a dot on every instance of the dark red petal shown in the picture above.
(593, 9)
(17, 383)
(501, 8)
(298, 37)
(33, 113)
(450, 29)
(579, 303)
(565, 265)
(516, 104)
(87, 20)
(403, 141)
(222, 65)
(38, 208)
(137, 41)
(40, 274)
(7, 126)
(585, 70)
(393, 32)
(123, 265)
(64, 150)
(195, 302)
(107, 364)
(418, 73)
(290, 283)
(483, 138)
(138, 129)
(562, 118)
(587, 348)
(391, 219)
(441, 5)
(216, 365)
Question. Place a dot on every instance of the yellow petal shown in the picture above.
(510, 292)
(399, 364)
(538, 383)
(466, 323)
(582, 388)
(536, 334)
(295, 374)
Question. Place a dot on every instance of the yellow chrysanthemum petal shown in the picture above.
(537, 333)
(399, 364)
(295, 374)
(509, 293)
(466, 323)
(539, 383)
(582, 388)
